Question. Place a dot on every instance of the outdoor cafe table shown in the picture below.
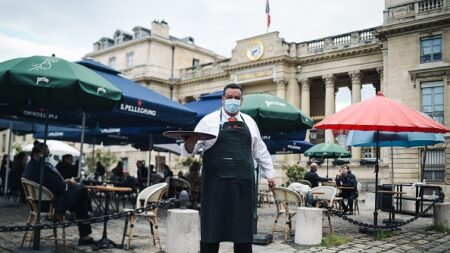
(345, 187)
(105, 242)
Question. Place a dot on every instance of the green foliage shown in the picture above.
(334, 240)
(187, 161)
(17, 148)
(381, 235)
(441, 228)
(294, 173)
(106, 157)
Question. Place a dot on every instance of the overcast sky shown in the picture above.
(69, 28)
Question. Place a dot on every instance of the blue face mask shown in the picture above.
(232, 105)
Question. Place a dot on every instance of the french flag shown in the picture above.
(268, 15)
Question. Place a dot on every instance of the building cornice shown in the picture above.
(345, 53)
(269, 61)
(205, 78)
(433, 22)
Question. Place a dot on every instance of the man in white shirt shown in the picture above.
(228, 191)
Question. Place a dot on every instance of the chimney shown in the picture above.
(160, 28)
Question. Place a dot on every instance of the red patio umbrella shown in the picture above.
(380, 114)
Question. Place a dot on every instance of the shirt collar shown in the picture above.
(226, 116)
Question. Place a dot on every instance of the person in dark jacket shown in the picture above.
(3, 169)
(99, 169)
(313, 177)
(66, 167)
(347, 179)
(118, 171)
(17, 169)
(68, 194)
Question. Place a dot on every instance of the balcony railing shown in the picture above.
(339, 41)
(430, 5)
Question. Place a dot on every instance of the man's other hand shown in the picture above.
(189, 143)
(271, 182)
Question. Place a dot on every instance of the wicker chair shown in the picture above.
(284, 198)
(327, 197)
(31, 190)
(305, 182)
(149, 195)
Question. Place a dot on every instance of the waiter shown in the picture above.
(228, 173)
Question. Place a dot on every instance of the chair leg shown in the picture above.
(133, 220)
(62, 220)
(356, 206)
(329, 221)
(26, 232)
(275, 223)
(155, 223)
(125, 227)
(151, 231)
(55, 232)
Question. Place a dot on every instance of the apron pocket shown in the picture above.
(233, 169)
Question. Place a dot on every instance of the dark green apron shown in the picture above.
(227, 188)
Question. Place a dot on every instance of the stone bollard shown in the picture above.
(183, 231)
(441, 213)
(308, 226)
(369, 200)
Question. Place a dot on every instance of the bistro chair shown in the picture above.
(178, 184)
(264, 193)
(31, 190)
(148, 196)
(326, 200)
(305, 182)
(284, 198)
(338, 201)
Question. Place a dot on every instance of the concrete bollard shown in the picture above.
(308, 226)
(183, 231)
(441, 213)
(369, 200)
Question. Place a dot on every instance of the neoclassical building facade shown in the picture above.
(406, 58)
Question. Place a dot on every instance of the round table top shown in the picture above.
(106, 188)
(345, 187)
(181, 135)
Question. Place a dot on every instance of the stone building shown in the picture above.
(407, 58)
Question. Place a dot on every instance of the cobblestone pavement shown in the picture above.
(412, 238)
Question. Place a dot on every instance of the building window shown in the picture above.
(430, 49)
(130, 57)
(434, 170)
(195, 62)
(432, 94)
(112, 62)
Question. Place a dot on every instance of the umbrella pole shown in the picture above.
(327, 167)
(83, 127)
(377, 167)
(150, 147)
(422, 176)
(8, 165)
(37, 230)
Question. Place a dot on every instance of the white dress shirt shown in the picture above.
(211, 124)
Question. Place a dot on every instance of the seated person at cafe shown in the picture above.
(142, 172)
(117, 172)
(68, 194)
(313, 177)
(347, 179)
(66, 167)
(99, 169)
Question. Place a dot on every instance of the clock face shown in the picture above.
(255, 51)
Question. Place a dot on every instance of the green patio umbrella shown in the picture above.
(54, 83)
(273, 114)
(327, 150)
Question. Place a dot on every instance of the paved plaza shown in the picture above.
(412, 238)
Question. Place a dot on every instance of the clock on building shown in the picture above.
(255, 50)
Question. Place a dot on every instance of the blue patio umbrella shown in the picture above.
(206, 104)
(394, 139)
(287, 146)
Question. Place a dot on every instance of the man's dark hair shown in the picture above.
(64, 157)
(231, 86)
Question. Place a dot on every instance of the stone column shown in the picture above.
(305, 101)
(293, 93)
(329, 103)
(281, 88)
(356, 97)
(305, 107)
